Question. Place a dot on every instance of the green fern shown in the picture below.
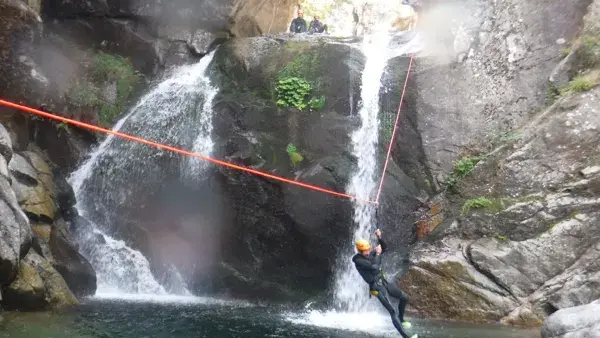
(476, 203)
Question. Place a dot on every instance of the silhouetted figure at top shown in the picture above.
(317, 26)
(298, 24)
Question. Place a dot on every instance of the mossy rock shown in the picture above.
(42, 231)
(333, 70)
(44, 171)
(447, 287)
(106, 88)
(41, 240)
(36, 193)
(27, 289)
(37, 201)
(588, 53)
(38, 286)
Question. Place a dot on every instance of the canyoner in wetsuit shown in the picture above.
(368, 264)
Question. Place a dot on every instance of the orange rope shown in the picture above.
(176, 150)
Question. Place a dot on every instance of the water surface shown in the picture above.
(198, 317)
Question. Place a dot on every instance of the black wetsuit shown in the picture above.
(370, 270)
(317, 26)
(298, 25)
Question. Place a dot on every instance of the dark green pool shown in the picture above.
(108, 318)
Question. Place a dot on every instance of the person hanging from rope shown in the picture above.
(368, 264)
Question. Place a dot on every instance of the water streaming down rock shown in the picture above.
(351, 294)
(177, 112)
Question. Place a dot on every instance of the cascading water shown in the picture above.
(176, 112)
(349, 294)
(353, 310)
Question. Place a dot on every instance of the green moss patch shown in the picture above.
(300, 60)
(497, 204)
(476, 203)
(90, 93)
(589, 52)
(461, 169)
(578, 84)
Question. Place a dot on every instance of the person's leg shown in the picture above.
(383, 298)
(395, 292)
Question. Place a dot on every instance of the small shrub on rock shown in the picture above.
(292, 92)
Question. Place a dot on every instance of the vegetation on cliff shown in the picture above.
(107, 89)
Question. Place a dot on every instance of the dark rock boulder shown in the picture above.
(242, 17)
(20, 28)
(289, 235)
(37, 287)
(73, 267)
(64, 194)
(155, 35)
(33, 185)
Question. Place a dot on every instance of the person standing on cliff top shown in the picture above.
(368, 264)
(298, 24)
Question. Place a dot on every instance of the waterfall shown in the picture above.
(351, 293)
(177, 112)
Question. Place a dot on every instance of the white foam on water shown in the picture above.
(117, 295)
(369, 321)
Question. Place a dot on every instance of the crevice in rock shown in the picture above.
(35, 218)
(491, 277)
(25, 179)
(548, 309)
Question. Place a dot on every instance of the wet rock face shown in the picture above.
(72, 266)
(281, 241)
(536, 239)
(20, 27)
(243, 17)
(14, 227)
(483, 71)
(37, 286)
(520, 239)
(155, 34)
(39, 264)
(33, 185)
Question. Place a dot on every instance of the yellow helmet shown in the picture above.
(363, 245)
